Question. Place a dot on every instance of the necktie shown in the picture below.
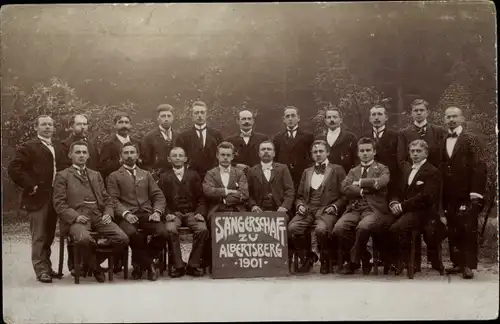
(421, 130)
(364, 174)
(290, 134)
(131, 171)
(178, 173)
(83, 173)
(320, 169)
(200, 134)
(167, 135)
(452, 135)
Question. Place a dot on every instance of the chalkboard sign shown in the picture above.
(249, 245)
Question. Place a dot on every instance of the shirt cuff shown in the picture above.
(393, 202)
(225, 190)
(159, 211)
(125, 213)
(361, 192)
(476, 195)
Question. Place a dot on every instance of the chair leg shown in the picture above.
(411, 263)
(111, 261)
(76, 261)
(125, 263)
(376, 257)
(340, 260)
(61, 255)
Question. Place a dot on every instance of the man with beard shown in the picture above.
(200, 142)
(246, 142)
(341, 143)
(81, 201)
(464, 185)
(79, 132)
(140, 204)
(33, 169)
(158, 142)
(109, 158)
(319, 203)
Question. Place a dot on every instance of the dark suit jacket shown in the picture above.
(434, 136)
(465, 171)
(155, 150)
(422, 195)
(247, 153)
(66, 144)
(344, 150)
(33, 166)
(331, 189)
(68, 197)
(295, 153)
(109, 158)
(170, 185)
(282, 189)
(215, 193)
(376, 198)
(200, 159)
(141, 194)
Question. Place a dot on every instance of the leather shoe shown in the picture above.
(152, 275)
(99, 276)
(467, 273)
(311, 259)
(45, 278)
(350, 268)
(195, 272)
(137, 273)
(178, 272)
(453, 270)
(56, 275)
(325, 267)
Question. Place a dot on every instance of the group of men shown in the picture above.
(383, 185)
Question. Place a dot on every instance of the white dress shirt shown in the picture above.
(203, 132)
(224, 175)
(317, 179)
(414, 169)
(48, 143)
(332, 136)
(179, 173)
(246, 136)
(166, 133)
(421, 124)
(293, 131)
(133, 169)
(266, 168)
(79, 169)
(123, 139)
(380, 131)
(451, 141)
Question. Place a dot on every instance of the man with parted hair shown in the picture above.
(246, 141)
(341, 143)
(79, 132)
(200, 142)
(319, 204)
(33, 169)
(158, 142)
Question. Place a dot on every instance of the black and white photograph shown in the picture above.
(242, 162)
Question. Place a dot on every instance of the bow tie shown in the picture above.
(224, 170)
(452, 135)
(320, 169)
(243, 134)
(200, 129)
(47, 142)
(264, 168)
(421, 130)
(178, 172)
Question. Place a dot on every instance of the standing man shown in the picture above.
(366, 188)
(341, 143)
(33, 169)
(319, 202)
(109, 158)
(464, 185)
(200, 142)
(81, 201)
(79, 132)
(140, 204)
(157, 143)
(270, 184)
(185, 206)
(246, 142)
(433, 135)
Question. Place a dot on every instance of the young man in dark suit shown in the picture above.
(414, 204)
(140, 204)
(33, 169)
(464, 184)
(79, 132)
(109, 157)
(83, 204)
(158, 142)
(366, 188)
(246, 141)
(341, 143)
(319, 203)
(200, 142)
(270, 184)
(185, 206)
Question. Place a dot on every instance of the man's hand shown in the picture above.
(356, 183)
(396, 208)
(256, 209)
(301, 210)
(376, 185)
(282, 209)
(106, 219)
(33, 191)
(199, 217)
(155, 217)
(82, 219)
(170, 217)
(331, 210)
(131, 218)
(231, 191)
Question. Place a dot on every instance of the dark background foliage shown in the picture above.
(101, 59)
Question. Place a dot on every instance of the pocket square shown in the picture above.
(420, 183)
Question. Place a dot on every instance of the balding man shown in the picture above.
(464, 184)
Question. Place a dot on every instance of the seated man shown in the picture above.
(225, 188)
(83, 204)
(139, 204)
(270, 184)
(319, 202)
(367, 213)
(185, 206)
(415, 205)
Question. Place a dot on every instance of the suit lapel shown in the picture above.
(273, 173)
(45, 148)
(371, 170)
(340, 139)
(75, 173)
(328, 173)
(232, 177)
(460, 141)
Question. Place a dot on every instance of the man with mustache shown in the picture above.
(200, 142)
(33, 169)
(341, 143)
(246, 142)
(79, 132)
(464, 185)
(158, 142)
(140, 204)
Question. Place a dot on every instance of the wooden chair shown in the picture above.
(414, 263)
